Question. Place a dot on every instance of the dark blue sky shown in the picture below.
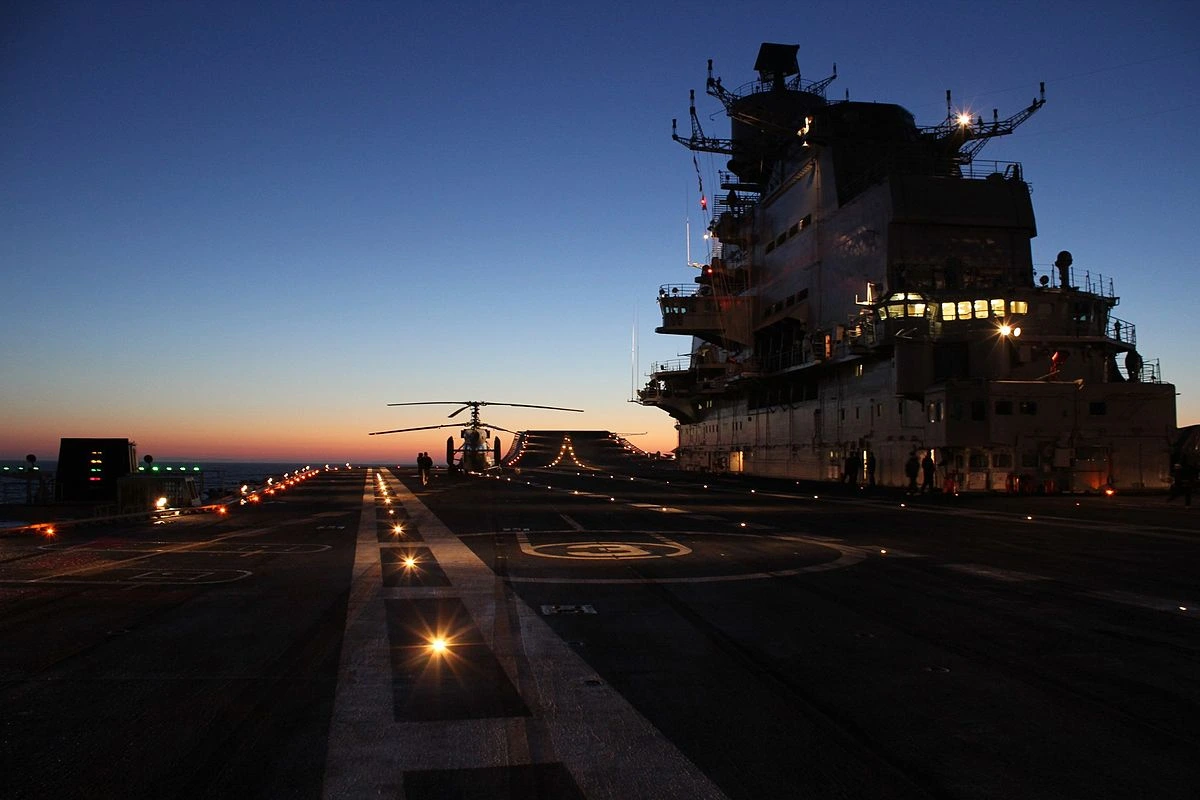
(241, 229)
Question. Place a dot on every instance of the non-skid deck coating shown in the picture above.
(482, 715)
(611, 636)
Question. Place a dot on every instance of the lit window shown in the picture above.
(964, 309)
(997, 308)
(1020, 307)
(916, 309)
(896, 310)
(883, 313)
(948, 311)
(981, 309)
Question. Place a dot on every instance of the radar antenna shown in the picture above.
(967, 136)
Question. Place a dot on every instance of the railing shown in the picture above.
(674, 365)
(984, 168)
(682, 290)
(1095, 284)
(795, 83)
(1123, 331)
(1151, 372)
(20, 486)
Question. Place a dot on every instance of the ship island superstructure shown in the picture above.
(871, 296)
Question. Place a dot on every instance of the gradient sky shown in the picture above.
(240, 230)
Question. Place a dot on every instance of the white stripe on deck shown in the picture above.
(610, 749)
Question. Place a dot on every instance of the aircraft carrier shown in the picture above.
(868, 299)
(607, 627)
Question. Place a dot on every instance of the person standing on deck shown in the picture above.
(912, 468)
(927, 472)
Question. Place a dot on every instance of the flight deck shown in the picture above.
(580, 632)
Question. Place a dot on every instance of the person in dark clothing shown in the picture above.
(871, 468)
(854, 467)
(912, 468)
(927, 472)
(1183, 479)
(424, 463)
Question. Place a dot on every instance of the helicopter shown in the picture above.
(475, 455)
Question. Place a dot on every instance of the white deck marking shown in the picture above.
(996, 573)
(590, 551)
(608, 747)
(1175, 606)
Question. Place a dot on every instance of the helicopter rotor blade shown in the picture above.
(480, 403)
(527, 405)
(434, 403)
(422, 428)
(496, 428)
(454, 414)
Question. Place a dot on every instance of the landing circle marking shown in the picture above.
(588, 551)
(846, 556)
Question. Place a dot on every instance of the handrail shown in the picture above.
(1096, 284)
(680, 290)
